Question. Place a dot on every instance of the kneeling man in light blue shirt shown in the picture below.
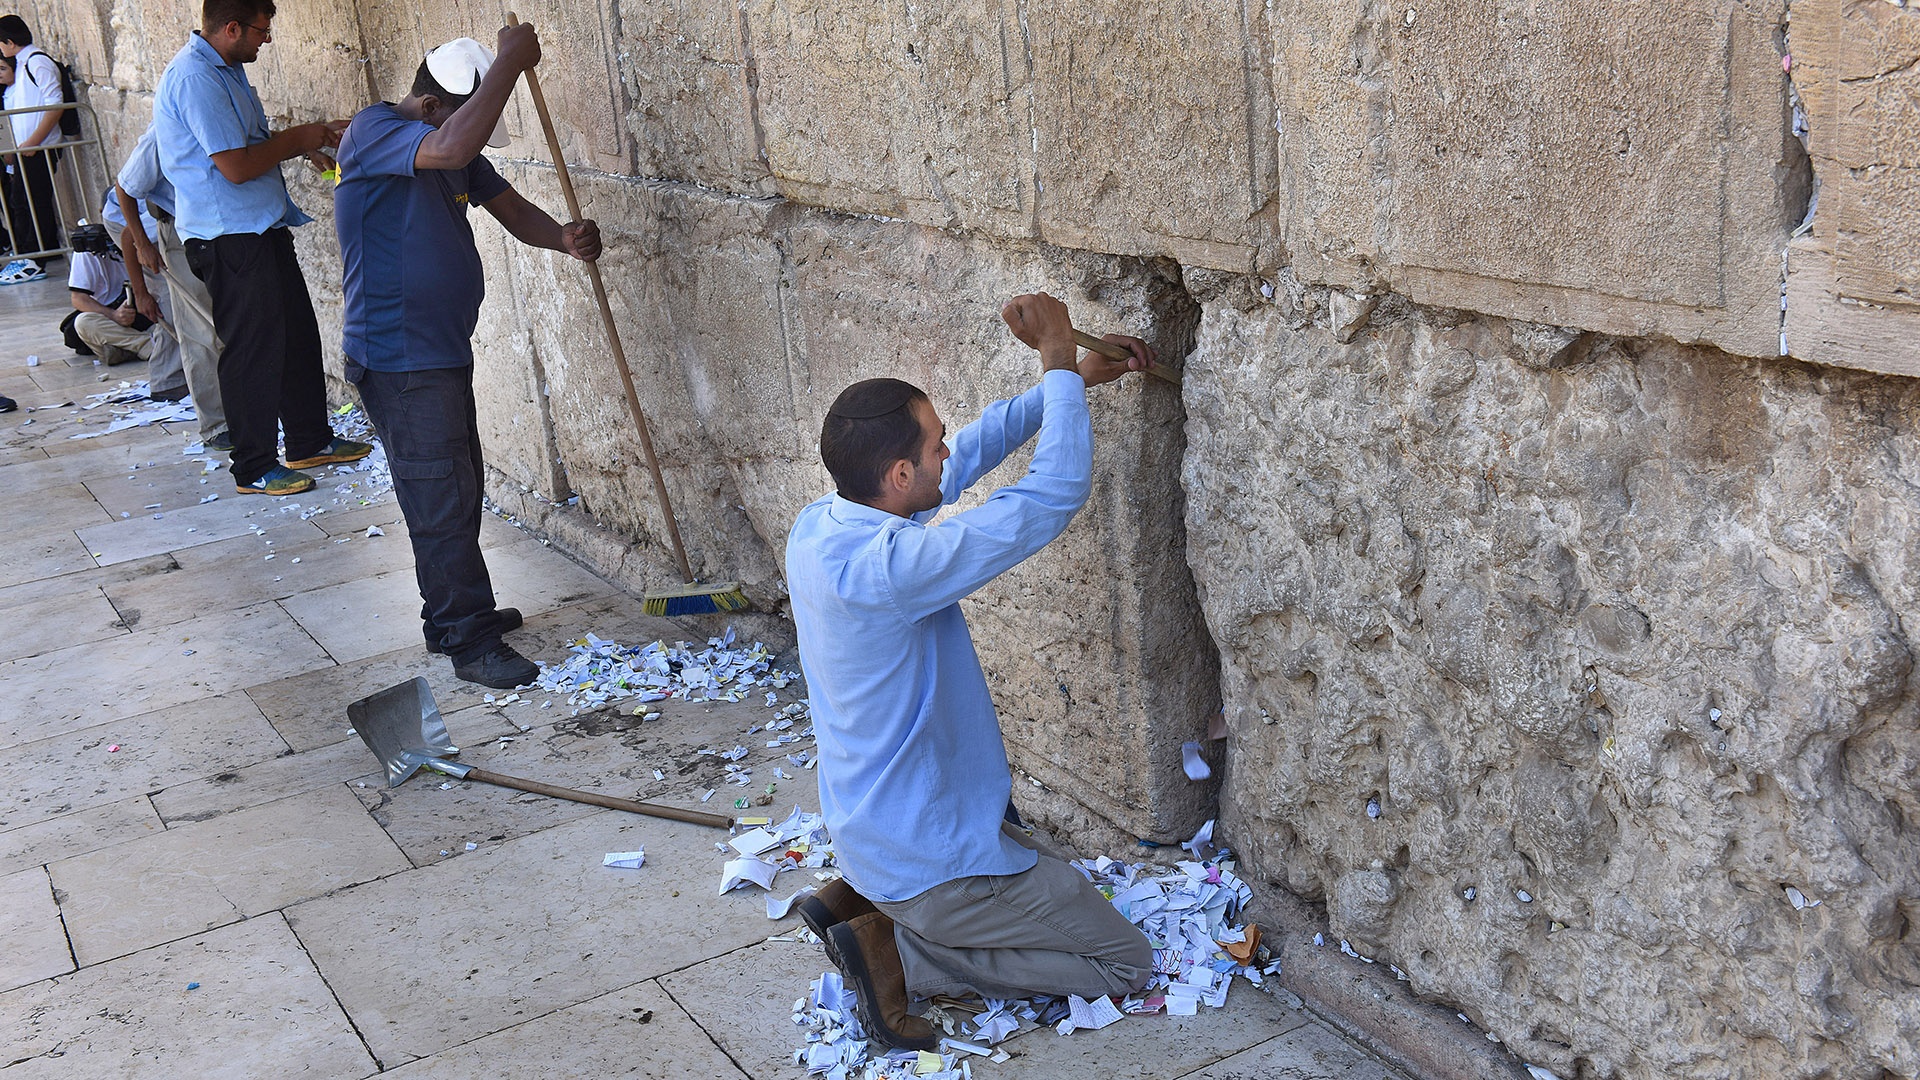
(940, 897)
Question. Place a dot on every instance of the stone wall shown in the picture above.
(1518, 556)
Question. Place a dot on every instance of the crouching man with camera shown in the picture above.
(106, 319)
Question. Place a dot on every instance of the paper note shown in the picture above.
(753, 841)
(778, 908)
(1196, 766)
(1092, 1015)
(619, 860)
(744, 871)
(995, 1027)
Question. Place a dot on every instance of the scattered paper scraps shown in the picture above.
(620, 860)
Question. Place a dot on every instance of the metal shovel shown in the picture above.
(403, 728)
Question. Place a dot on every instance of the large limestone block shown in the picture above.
(688, 74)
(656, 247)
(1854, 66)
(1573, 164)
(1853, 283)
(580, 78)
(1153, 129)
(922, 114)
(1610, 636)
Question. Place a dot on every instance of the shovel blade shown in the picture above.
(402, 726)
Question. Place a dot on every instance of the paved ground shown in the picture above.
(203, 874)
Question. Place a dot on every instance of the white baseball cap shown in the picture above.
(458, 66)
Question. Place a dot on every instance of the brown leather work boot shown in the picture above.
(871, 965)
(836, 902)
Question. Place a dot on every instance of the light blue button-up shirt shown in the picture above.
(141, 177)
(205, 106)
(913, 771)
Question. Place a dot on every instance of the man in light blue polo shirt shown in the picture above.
(410, 173)
(940, 896)
(235, 219)
(189, 309)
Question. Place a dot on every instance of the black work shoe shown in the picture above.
(833, 904)
(502, 669)
(870, 963)
(7, 404)
(510, 621)
(222, 442)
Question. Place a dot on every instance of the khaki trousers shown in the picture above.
(116, 344)
(1044, 931)
(191, 313)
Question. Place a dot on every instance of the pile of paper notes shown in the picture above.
(1188, 915)
(599, 670)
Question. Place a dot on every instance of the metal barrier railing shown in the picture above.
(17, 162)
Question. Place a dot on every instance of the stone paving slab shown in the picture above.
(78, 769)
(36, 942)
(233, 515)
(162, 599)
(206, 874)
(76, 687)
(78, 582)
(77, 833)
(73, 462)
(637, 1032)
(173, 485)
(363, 617)
(1311, 1052)
(520, 929)
(343, 762)
(260, 1010)
(63, 506)
(40, 555)
(55, 622)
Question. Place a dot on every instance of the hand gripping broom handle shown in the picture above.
(1116, 352)
(606, 317)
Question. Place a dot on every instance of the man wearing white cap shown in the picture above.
(409, 174)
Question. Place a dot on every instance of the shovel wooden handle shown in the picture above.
(1119, 352)
(675, 813)
(613, 331)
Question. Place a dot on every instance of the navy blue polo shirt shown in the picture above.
(413, 277)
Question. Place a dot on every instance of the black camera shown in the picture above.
(93, 240)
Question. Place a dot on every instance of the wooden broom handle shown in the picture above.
(1116, 352)
(675, 813)
(606, 317)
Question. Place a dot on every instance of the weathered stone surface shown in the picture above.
(921, 114)
(1434, 148)
(1617, 645)
(1152, 129)
(1853, 283)
(688, 74)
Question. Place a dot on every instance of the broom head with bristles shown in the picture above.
(696, 600)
